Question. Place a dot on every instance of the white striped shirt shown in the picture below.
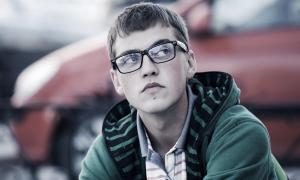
(173, 167)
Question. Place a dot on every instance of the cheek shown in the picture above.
(129, 86)
(176, 76)
(178, 70)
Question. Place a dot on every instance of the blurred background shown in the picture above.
(55, 86)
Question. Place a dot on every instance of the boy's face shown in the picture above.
(154, 87)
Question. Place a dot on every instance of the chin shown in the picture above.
(154, 107)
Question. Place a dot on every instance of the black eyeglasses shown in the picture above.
(159, 53)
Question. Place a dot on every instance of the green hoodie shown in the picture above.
(225, 141)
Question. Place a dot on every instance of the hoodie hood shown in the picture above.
(207, 86)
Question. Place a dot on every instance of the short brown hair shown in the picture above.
(139, 17)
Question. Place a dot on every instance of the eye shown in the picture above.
(129, 59)
(161, 51)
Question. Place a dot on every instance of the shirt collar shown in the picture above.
(182, 138)
(142, 136)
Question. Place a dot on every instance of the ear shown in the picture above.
(192, 65)
(115, 79)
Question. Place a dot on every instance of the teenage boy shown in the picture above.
(174, 123)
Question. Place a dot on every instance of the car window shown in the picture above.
(236, 15)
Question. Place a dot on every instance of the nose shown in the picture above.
(149, 68)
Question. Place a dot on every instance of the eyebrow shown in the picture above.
(161, 41)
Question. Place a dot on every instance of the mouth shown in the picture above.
(152, 85)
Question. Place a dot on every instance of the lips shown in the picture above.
(152, 85)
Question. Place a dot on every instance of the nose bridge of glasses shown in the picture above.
(149, 64)
(146, 52)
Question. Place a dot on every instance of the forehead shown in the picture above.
(143, 39)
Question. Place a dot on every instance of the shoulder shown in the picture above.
(98, 164)
(238, 125)
(239, 146)
(240, 120)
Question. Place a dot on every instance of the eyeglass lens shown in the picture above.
(158, 54)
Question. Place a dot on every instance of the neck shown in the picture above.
(164, 128)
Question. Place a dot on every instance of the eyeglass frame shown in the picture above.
(175, 43)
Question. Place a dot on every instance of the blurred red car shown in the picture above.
(62, 98)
